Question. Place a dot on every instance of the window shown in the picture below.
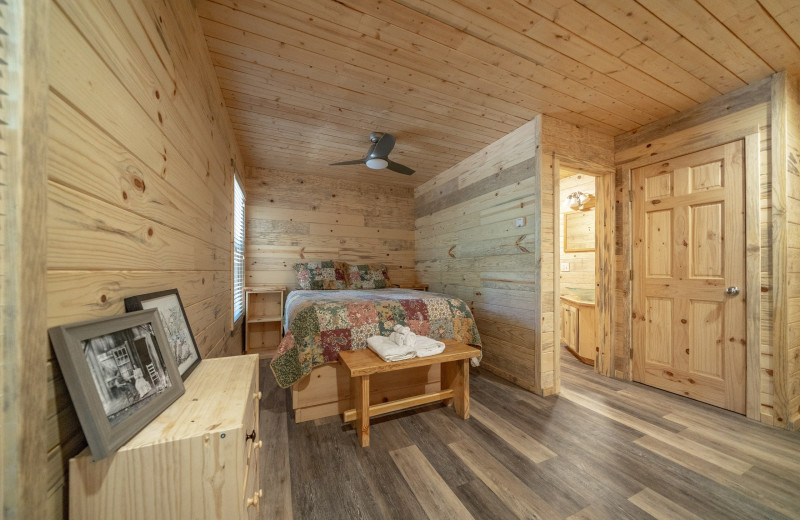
(238, 250)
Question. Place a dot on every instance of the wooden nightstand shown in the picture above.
(263, 317)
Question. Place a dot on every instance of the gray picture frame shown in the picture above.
(176, 326)
(120, 374)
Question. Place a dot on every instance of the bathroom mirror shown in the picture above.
(579, 231)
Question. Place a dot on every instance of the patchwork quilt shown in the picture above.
(320, 324)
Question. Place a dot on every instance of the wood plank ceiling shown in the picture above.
(306, 81)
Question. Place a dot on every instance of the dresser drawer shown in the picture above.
(251, 491)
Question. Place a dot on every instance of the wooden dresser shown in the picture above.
(198, 459)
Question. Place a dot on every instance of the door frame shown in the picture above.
(604, 265)
(751, 139)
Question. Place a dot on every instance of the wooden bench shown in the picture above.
(363, 363)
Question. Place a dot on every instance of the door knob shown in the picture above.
(732, 291)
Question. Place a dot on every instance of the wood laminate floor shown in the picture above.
(603, 449)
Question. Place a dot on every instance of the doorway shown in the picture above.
(577, 264)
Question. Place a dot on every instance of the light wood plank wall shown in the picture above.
(24, 349)
(295, 218)
(140, 164)
(578, 282)
(741, 113)
(467, 246)
(793, 259)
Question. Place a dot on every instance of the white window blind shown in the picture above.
(238, 250)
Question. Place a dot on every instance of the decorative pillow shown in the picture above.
(321, 275)
(367, 276)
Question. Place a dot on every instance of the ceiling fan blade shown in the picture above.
(356, 161)
(399, 168)
(382, 147)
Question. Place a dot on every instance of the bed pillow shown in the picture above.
(367, 276)
(321, 275)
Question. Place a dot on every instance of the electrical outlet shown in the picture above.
(520, 222)
(564, 266)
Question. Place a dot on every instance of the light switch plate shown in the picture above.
(564, 266)
(520, 222)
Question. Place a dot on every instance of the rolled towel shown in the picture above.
(389, 350)
(425, 346)
(404, 340)
(403, 336)
(401, 329)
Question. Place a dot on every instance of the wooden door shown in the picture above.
(689, 229)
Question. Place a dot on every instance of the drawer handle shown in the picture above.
(259, 444)
(254, 501)
(250, 436)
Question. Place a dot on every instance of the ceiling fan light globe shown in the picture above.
(377, 164)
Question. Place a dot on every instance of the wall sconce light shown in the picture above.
(580, 201)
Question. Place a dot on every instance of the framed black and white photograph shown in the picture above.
(176, 325)
(120, 374)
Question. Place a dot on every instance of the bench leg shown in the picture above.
(359, 390)
(455, 376)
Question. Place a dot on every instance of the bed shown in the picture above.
(320, 324)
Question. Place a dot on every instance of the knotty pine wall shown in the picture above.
(467, 246)
(295, 218)
(581, 265)
(760, 108)
(793, 260)
(140, 171)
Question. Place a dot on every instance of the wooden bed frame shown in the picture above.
(326, 390)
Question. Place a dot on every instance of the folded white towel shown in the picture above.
(426, 346)
(388, 350)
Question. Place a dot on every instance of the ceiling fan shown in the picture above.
(377, 156)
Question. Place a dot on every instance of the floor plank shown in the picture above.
(603, 449)
(432, 492)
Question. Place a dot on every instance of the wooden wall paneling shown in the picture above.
(753, 272)
(139, 71)
(23, 195)
(779, 239)
(487, 29)
(758, 29)
(293, 218)
(628, 145)
(463, 43)
(140, 168)
(605, 276)
(557, 249)
(525, 20)
(468, 246)
(400, 46)
(662, 38)
(375, 78)
(623, 249)
(708, 32)
(793, 252)
(544, 235)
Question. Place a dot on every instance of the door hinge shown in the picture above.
(631, 274)
(630, 195)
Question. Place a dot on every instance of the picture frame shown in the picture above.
(119, 373)
(176, 325)
(579, 236)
